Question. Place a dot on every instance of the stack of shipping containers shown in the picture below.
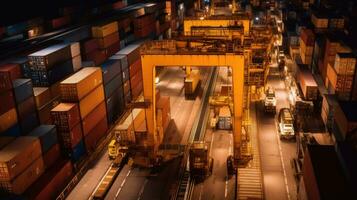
(307, 40)
(341, 75)
(47, 67)
(8, 115)
(108, 37)
(84, 93)
(144, 25)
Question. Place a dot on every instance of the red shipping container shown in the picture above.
(49, 185)
(93, 118)
(8, 73)
(96, 134)
(44, 113)
(51, 156)
(97, 56)
(65, 116)
(137, 90)
(26, 107)
(71, 138)
(7, 101)
(135, 67)
(143, 21)
(307, 36)
(124, 23)
(113, 49)
(89, 46)
(136, 80)
(145, 31)
(108, 41)
(60, 22)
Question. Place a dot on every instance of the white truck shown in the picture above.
(286, 124)
(270, 101)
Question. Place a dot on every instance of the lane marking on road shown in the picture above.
(142, 189)
(101, 180)
(121, 185)
(226, 188)
(282, 162)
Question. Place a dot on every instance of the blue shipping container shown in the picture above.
(47, 135)
(123, 61)
(22, 89)
(112, 86)
(126, 75)
(110, 69)
(46, 78)
(28, 123)
(112, 108)
(78, 151)
(14, 131)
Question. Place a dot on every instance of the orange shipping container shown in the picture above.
(42, 96)
(92, 100)
(8, 119)
(107, 41)
(17, 156)
(65, 116)
(81, 83)
(135, 67)
(93, 118)
(104, 30)
(25, 179)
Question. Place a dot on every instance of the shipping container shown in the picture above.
(52, 156)
(13, 131)
(135, 80)
(22, 89)
(307, 83)
(143, 21)
(111, 50)
(319, 20)
(92, 100)
(103, 30)
(17, 156)
(46, 78)
(5, 140)
(49, 185)
(115, 105)
(307, 37)
(80, 84)
(89, 45)
(123, 61)
(44, 113)
(126, 75)
(135, 67)
(69, 139)
(50, 56)
(28, 123)
(65, 116)
(42, 96)
(75, 49)
(78, 152)
(77, 63)
(114, 84)
(60, 22)
(109, 40)
(132, 53)
(8, 73)
(47, 134)
(24, 65)
(345, 64)
(110, 69)
(136, 91)
(8, 119)
(26, 107)
(345, 117)
(93, 137)
(93, 118)
(126, 87)
(19, 184)
(97, 56)
(7, 101)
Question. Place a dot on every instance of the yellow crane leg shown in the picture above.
(188, 71)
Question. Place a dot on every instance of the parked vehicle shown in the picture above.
(285, 124)
(270, 101)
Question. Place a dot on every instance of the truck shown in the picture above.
(201, 164)
(286, 124)
(270, 101)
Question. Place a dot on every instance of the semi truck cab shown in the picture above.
(285, 124)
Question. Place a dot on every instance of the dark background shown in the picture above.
(13, 11)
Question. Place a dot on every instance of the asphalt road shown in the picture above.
(276, 154)
(142, 183)
(218, 185)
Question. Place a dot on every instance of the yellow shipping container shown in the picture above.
(104, 30)
(92, 100)
(81, 83)
(8, 119)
